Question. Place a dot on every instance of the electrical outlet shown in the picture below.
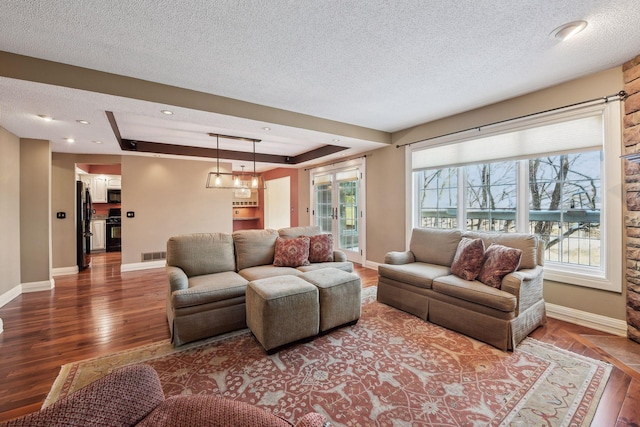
(61, 215)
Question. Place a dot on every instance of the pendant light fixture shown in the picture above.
(217, 179)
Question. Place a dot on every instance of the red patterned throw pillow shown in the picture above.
(499, 261)
(468, 259)
(321, 248)
(291, 252)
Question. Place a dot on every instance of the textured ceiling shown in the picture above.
(385, 65)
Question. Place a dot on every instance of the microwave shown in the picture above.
(113, 196)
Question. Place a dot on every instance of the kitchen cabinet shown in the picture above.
(99, 189)
(99, 234)
(114, 182)
(98, 185)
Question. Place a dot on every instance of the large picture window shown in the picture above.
(567, 191)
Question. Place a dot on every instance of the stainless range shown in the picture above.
(113, 230)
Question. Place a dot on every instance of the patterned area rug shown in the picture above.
(390, 369)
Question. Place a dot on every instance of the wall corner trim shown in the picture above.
(1, 327)
(45, 285)
(590, 320)
(61, 271)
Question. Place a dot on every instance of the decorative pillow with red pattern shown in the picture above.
(321, 248)
(291, 252)
(468, 259)
(499, 261)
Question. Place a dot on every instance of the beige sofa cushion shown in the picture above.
(476, 292)
(265, 271)
(201, 253)
(254, 247)
(418, 274)
(435, 246)
(210, 288)
(528, 243)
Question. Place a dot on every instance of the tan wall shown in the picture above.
(169, 197)
(35, 208)
(304, 197)
(608, 82)
(63, 199)
(386, 204)
(9, 211)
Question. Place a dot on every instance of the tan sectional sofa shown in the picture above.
(420, 282)
(209, 272)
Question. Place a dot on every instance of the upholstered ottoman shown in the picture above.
(281, 310)
(340, 296)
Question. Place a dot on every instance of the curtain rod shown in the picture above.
(622, 95)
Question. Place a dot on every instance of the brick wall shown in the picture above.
(631, 138)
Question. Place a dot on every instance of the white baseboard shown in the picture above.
(61, 271)
(45, 285)
(372, 265)
(142, 265)
(590, 320)
(10, 295)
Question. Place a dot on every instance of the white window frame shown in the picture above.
(610, 274)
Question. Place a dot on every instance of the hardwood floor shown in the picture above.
(101, 310)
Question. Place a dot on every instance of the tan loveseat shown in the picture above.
(420, 282)
(209, 273)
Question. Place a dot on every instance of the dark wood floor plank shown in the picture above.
(100, 311)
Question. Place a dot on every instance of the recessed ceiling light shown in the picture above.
(568, 30)
(167, 112)
(266, 128)
(70, 140)
(83, 122)
(45, 117)
(97, 142)
(336, 140)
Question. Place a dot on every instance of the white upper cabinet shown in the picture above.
(99, 189)
(98, 185)
(113, 182)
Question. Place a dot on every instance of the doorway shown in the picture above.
(338, 194)
(277, 203)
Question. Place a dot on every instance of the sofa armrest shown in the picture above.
(121, 398)
(398, 258)
(525, 285)
(177, 279)
(339, 256)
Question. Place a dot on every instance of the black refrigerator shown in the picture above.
(83, 225)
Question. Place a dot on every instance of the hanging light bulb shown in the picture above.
(218, 181)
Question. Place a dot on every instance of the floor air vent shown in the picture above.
(153, 256)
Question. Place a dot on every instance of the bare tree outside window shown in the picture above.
(565, 206)
(564, 202)
(491, 196)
